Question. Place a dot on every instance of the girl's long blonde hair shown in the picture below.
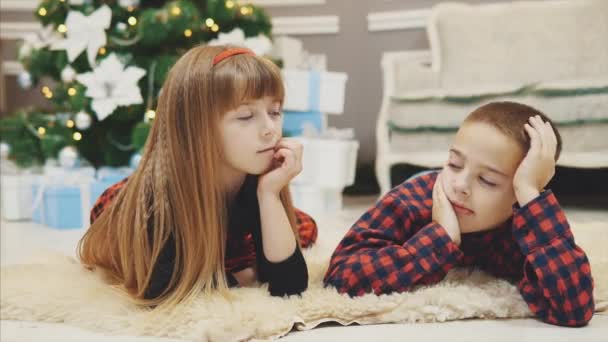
(175, 189)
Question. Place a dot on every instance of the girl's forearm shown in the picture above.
(277, 236)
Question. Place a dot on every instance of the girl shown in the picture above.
(208, 206)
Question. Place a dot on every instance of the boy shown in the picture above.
(486, 208)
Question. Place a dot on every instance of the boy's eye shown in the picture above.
(454, 166)
(275, 113)
(487, 182)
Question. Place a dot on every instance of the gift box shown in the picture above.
(316, 201)
(294, 123)
(314, 91)
(16, 196)
(62, 197)
(328, 166)
(327, 163)
(105, 178)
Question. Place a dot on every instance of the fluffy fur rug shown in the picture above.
(57, 289)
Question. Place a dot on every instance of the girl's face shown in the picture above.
(249, 135)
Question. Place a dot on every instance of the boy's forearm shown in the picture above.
(277, 236)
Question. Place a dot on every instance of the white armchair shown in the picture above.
(552, 55)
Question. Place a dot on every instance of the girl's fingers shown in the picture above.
(287, 156)
(290, 144)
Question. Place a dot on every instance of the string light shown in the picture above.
(62, 28)
(77, 136)
(130, 8)
(176, 11)
(46, 91)
(150, 114)
(229, 4)
(188, 33)
(42, 11)
(70, 123)
(102, 50)
(132, 21)
(41, 131)
(215, 28)
(209, 22)
(245, 10)
(71, 91)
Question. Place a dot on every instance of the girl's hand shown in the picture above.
(287, 165)
(538, 166)
(246, 277)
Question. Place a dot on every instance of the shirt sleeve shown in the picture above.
(105, 199)
(287, 277)
(556, 279)
(394, 245)
(307, 229)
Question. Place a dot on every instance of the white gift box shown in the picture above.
(316, 201)
(16, 196)
(314, 91)
(327, 163)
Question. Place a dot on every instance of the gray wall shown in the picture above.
(353, 50)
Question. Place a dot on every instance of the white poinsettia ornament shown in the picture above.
(110, 85)
(85, 33)
(260, 45)
(234, 37)
(43, 38)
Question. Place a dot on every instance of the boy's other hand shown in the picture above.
(538, 166)
(443, 213)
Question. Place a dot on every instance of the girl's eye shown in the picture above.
(454, 166)
(487, 182)
(245, 118)
(275, 113)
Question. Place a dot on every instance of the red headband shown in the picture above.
(231, 52)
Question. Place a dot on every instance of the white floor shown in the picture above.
(20, 241)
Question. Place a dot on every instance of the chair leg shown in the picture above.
(383, 175)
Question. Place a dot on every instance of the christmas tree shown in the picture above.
(102, 64)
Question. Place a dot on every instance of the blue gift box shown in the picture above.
(61, 197)
(106, 177)
(60, 207)
(294, 122)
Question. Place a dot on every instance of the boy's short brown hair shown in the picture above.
(509, 118)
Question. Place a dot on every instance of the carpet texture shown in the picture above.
(55, 288)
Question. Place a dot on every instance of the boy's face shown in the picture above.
(478, 176)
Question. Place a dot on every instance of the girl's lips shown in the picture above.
(462, 210)
(266, 150)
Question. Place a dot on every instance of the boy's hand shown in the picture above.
(287, 165)
(443, 213)
(538, 166)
